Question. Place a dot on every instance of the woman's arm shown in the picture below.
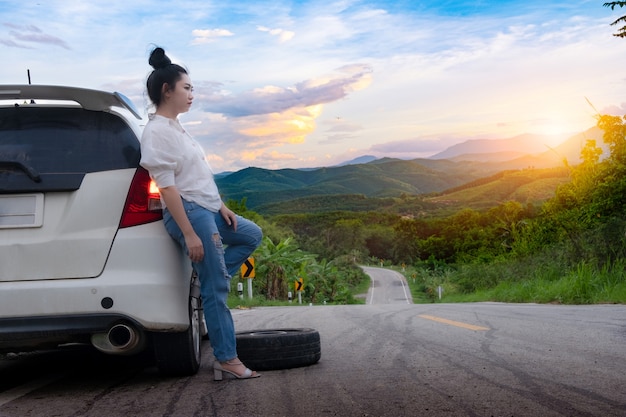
(174, 205)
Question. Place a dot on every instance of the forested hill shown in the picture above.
(382, 178)
(471, 177)
(292, 190)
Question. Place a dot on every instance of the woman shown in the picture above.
(194, 214)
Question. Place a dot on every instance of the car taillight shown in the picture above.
(143, 204)
(154, 198)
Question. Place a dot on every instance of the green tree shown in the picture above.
(614, 128)
(278, 264)
(380, 241)
(509, 219)
(405, 247)
(276, 232)
(608, 197)
(347, 235)
(621, 33)
(319, 281)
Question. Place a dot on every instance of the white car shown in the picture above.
(84, 256)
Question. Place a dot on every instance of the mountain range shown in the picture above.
(268, 191)
(522, 146)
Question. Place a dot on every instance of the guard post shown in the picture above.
(299, 284)
(247, 272)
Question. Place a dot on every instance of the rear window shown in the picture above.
(48, 149)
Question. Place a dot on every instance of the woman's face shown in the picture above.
(181, 97)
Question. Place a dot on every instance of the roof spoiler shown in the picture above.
(89, 99)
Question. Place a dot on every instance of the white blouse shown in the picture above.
(174, 158)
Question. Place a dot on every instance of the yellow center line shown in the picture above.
(453, 323)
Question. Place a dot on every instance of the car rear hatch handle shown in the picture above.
(30, 171)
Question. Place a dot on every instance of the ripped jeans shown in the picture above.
(225, 250)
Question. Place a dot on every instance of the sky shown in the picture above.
(295, 84)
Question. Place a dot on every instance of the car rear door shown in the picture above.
(64, 177)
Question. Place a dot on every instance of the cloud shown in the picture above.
(13, 44)
(251, 126)
(615, 110)
(283, 35)
(290, 126)
(204, 36)
(340, 130)
(272, 99)
(443, 74)
(414, 145)
(272, 158)
(339, 125)
(251, 140)
(30, 34)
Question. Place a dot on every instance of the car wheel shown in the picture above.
(265, 350)
(179, 354)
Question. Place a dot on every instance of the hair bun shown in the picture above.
(158, 59)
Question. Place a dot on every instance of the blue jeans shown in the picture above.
(225, 250)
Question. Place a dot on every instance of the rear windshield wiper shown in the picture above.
(30, 171)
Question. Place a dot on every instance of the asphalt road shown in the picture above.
(388, 287)
(483, 359)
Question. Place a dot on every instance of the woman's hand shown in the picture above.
(229, 216)
(194, 247)
(174, 204)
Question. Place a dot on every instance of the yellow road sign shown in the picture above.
(247, 268)
(299, 284)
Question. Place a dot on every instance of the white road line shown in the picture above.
(20, 391)
(404, 285)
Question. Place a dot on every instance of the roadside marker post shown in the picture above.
(299, 284)
(240, 290)
(247, 271)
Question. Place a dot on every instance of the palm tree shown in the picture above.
(622, 31)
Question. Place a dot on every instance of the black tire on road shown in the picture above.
(272, 349)
(179, 354)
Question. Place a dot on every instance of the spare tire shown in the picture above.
(272, 349)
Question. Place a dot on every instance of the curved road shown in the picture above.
(388, 287)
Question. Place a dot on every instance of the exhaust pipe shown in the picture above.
(122, 336)
(120, 339)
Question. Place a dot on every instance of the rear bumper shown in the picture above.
(145, 283)
(37, 332)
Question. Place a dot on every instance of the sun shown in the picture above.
(556, 128)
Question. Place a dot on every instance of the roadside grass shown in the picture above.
(545, 279)
(360, 290)
(581, 284)
(245, 302)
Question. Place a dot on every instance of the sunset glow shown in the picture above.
(288, 84)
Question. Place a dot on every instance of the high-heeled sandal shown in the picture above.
(218, 371)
